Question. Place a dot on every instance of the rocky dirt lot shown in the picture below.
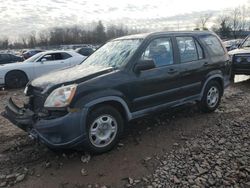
(178, 148)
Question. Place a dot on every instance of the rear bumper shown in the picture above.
(241, 68)
(241, 71)
(64, 132)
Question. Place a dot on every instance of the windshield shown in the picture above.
(34, 57)
(113, 54)
(246, 43)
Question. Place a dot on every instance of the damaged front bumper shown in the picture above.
(66, 132)
(21, 117)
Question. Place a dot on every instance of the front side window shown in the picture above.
(188, 50)
(213, 44)
(52, 57)
(160, 51)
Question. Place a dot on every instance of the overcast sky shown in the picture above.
(18, 17)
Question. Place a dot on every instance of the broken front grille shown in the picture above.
(37, 100)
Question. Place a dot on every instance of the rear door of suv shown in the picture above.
(193, 64)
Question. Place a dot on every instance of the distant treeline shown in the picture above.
(69, 35)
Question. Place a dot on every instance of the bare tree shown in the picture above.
(24, 41)
(204, 20)
(235, 21)
(4, 43)
(32, 42)
(223, 23)
(243, 18)
(100, 33)
(43, 38)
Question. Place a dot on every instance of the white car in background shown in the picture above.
(17, 75)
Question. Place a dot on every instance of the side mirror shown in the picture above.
(143, 65)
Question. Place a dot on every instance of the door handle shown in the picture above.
(206, 64)
(171, 71)
(62, 62)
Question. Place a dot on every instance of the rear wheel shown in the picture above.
(16, 79)
(211, 97)
(104, 128)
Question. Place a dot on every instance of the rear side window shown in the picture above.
(190, 49)
(213, 44)
(65, 56)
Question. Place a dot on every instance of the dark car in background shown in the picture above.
(232, 44)
(241, 59)
(6, 58)
(89, 105)
(85, 51)
(30, 53)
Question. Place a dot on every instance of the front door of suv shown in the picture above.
(159, 85)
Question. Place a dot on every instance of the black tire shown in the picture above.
(96, 113)
(205, 103)
(16, 79)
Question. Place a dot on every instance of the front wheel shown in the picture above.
(211, 97)
(104, 128)
(16, 79)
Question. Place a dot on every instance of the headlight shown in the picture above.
(61, 97)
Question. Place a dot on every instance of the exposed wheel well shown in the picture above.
(220, 81)
(118, 106)
(15, 71)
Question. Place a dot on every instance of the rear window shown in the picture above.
(214, 45)
(65, 56)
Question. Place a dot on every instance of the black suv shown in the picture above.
(87, 106)
(9, 58)
(241, 59)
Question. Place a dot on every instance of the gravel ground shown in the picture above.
(218, 157)
(178, 148)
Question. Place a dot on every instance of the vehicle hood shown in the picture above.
(240, 51)
(76, 74)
